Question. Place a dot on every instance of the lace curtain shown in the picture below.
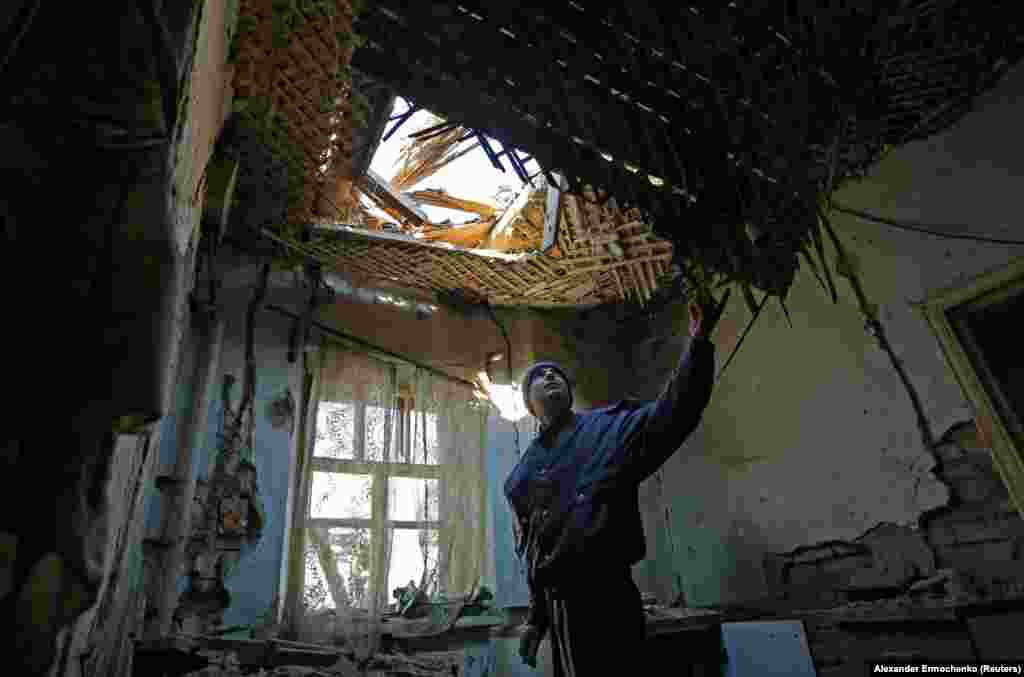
(395, 490)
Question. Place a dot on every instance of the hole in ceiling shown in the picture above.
(470, 177)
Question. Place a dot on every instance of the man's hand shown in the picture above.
(704, 315)
(529, 644)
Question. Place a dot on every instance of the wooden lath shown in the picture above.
(586, 271)
(469, 236)
(300, 76)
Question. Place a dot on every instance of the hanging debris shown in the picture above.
(726, 124)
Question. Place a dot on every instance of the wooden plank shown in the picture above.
(636, 254)
(598, 239)
(641, 281)
(460, 235)
(553, 212)
(652, 279)
(380, 190)
(439, 198)
(381, 239)
(558, 285)
(614, 263)
(618, 283)
(644, 251)
(576, 293)
(572, 221)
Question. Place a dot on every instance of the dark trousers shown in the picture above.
(597, 625)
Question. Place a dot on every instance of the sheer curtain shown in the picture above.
(462, 440)
(396, 491)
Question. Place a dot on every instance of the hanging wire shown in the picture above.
(508, 366)
(922, 229)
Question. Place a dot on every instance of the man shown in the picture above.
(574, 494)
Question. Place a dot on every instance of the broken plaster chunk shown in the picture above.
(931, 493)
(899, 555)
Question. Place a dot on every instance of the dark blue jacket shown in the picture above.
(576, 502)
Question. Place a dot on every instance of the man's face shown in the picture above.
(549, 393)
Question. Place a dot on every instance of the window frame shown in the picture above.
(980, 388)
(380, 472)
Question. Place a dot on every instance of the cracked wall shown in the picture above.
(811, 437)
(971, 548)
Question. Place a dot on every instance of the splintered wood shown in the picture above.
(604, 254)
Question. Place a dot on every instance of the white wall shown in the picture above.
(811, 436)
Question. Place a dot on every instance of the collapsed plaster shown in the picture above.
(970, 547)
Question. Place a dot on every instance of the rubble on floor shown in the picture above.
(200, 656)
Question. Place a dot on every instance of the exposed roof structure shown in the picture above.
(724, 122)
(602, 254)
(295, 93)
(724, 126)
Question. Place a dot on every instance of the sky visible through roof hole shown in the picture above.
(471, 177)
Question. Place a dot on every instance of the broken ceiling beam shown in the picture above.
(470, 235)
(553, 211)
(350, 233)
(383, 194)
(599, 239)
(440, 198)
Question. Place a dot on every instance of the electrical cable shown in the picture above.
(922, 229)
(366, 344)
(508, 365)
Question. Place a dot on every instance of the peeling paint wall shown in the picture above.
(810, 436)
(255, 585)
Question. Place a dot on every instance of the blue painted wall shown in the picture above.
(255, 584)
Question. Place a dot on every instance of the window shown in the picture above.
(373, 514)
(975, 326)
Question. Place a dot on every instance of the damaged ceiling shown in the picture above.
(726, 124)
(721, 128)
